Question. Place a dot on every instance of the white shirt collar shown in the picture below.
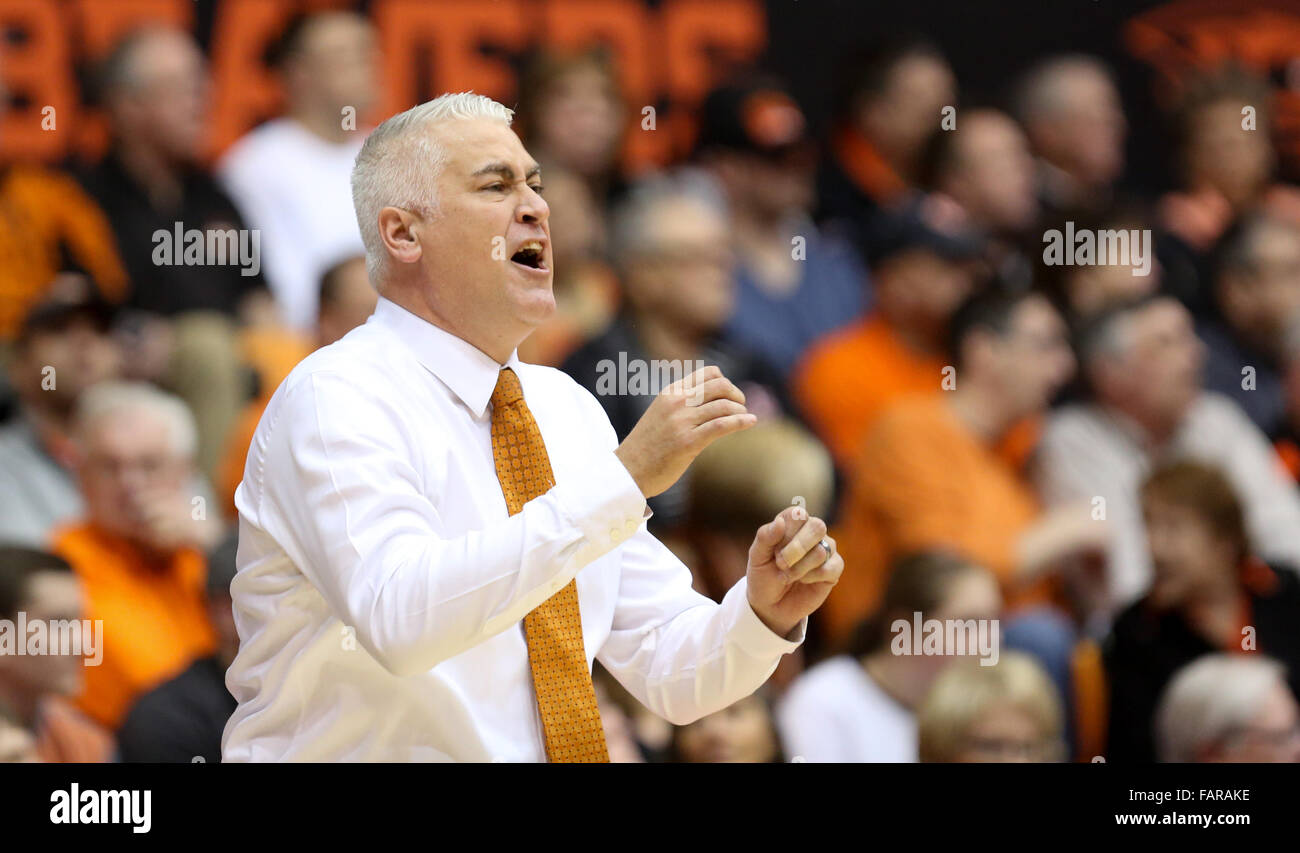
(470, 373)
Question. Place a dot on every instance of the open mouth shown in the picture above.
(530, 255)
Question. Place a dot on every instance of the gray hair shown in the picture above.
(1038, 92)
(628, 234)
(108, 398)
(398, 166)
(1209, 699)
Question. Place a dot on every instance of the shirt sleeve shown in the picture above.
(1076, 461)
(679, 653)
(341, 495)
(1269, 497)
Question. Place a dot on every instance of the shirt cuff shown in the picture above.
(603, 502)
(748, 631)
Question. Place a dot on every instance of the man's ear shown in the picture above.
(396, 230)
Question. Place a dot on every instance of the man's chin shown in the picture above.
(535, 307)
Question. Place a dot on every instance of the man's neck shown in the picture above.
(764, 241)
(914, 337)
(1151, 432)
(498, 348)
(160, 176)
(976, 407)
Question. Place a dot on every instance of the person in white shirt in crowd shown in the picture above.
(290, 176)
(861, 706)
(436, 539)
(1229, 708)
(1143, 363)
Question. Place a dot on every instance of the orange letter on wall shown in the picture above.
(456, 30)
(40, 70)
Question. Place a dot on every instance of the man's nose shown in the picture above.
(533, 208)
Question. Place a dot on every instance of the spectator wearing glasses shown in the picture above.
(672, 248)
(1143, 362)
(139, 550)
(1005, 713)
(1227, 708)
(931, 476)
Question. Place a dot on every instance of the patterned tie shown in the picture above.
(566, 698)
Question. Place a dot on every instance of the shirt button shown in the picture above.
(615, 534)
(632, 525)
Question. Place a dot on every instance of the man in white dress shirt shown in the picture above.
(391, 585)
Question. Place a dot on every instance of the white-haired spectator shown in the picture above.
(1229, 708)
(670, 242)
(1143, 363)
(1072, 114)
(1005, 713)
(140, 550)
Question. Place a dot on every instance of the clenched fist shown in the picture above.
(685, 418)
(793, 565)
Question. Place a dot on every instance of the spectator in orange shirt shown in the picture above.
(34, 689)
(851, 375)
(48, 218)
(139, 553)
(931, 476)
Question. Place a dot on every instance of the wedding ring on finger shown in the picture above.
(827, 546)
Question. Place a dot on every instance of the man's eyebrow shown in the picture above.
(506, 171)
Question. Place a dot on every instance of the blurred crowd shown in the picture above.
(1094, 451)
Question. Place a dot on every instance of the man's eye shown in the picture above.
(497, 187)
(538, 188)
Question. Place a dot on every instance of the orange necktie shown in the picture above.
(566, 698)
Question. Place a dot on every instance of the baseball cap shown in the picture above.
(924, 224)
(757, 116)
(57, 313)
